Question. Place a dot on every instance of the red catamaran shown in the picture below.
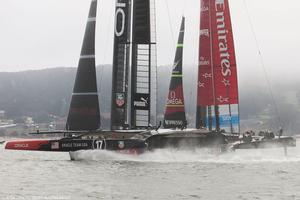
(217, 94)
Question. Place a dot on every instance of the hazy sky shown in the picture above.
(38, 34)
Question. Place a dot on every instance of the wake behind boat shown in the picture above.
(134, 88)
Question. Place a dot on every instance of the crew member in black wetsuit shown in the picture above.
(247, 137)
(184, 125)
(280, 132)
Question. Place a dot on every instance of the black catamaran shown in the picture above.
(83, 121)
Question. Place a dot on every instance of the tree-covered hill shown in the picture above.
(41, 93)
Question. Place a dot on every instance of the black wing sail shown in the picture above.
(121, 64)
(144, 69)
(175, 111)
(133, 111)
(84, 112)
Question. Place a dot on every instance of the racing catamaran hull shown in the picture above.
(268, 143)
(126, 141)
(128, 146)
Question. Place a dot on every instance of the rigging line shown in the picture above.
(183, 8)
(169, 20)
(108, 26)
(263, 65)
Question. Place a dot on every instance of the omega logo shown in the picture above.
(173, 95)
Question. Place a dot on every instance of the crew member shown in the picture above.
(280, 132)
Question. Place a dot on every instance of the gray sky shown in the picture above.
(48, 33)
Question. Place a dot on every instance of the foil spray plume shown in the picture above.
(203, 155)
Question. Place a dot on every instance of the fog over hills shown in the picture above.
(41, 93)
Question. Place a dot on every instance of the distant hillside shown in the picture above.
(36, 93)
(40, 93)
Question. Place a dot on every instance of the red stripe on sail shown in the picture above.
(205, 74)
(224, 63)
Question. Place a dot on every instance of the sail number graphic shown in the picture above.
(120, 13)
(98, 144)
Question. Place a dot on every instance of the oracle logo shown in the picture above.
(21, 145)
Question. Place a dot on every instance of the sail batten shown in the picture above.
(175, 110)
(84, 112)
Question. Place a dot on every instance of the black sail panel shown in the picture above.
(175, 110)
(84, 112)
(143, 80)
(120, 64)
(141, 22)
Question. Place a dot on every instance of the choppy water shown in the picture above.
(167, 174)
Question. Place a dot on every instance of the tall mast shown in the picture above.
(84, 113)
(121, 58)
(175, 111)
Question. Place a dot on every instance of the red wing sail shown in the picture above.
(205, 74)
(205, 89)
(217, 74)
(175, 112)
(224, 63)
